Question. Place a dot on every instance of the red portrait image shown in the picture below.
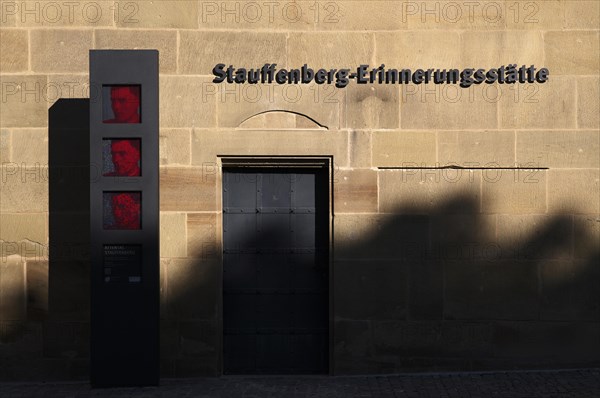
(122, 210)
(121, 157)
(124, 104)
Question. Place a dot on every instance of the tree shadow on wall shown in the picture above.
(421, 290)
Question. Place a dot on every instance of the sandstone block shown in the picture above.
(435, 50)
(514, 191)
(202, 232)
(158, 14)
(199, 52)
(476, 148)
(582, 14)
(535, 236)
(574, 191)
(50, 14)
(164, 41)
(562, 149)
(549, 105)
(187, 189)
(426, 191)
(185, 101)
(355, 191)
(502, 48)
(24, 226)
(372, 106)
(13, 294)
(23, 101)
(14, 47)
(588, 102)
(173, 235)
(443, 107)
(192, 288)
(175, 147)
(404, 148)
(334, 51)
(572, 52)
(274, 15)
(360, 143)
(354, 16)
(57, 50)
(24, 189)
(30, 146)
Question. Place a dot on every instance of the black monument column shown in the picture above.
(124, 215)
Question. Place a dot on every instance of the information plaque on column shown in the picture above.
(124, 217)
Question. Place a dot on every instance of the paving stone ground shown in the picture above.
(581, 383)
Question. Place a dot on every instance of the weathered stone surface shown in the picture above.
(502, 48)
(562, 149)
(355, 191)
(206, 145)
(360, 143)
(476, 148)
(23, 189)
(55, 50)
(404, 149)
(587, 236)
(23, 101)
(50, 14)
(572, 52)
(543, 339)
(574, 191)
(5, 145)
(24, 226)
(464, 237)
(569, 291)
(424, 191)
(175, 147)
(385, 283)
(13, 296)
(334, 51)
(435, 50)
(238, 103)
(185, 101)
(30, 146)
(513, 191)
(192, 288)
(549, 105)
(448, 15)
(353, 342)
(535, 16)
(535, 236)
(158, 14)
(442, 107)
(497, 290)
(357, 16)
(588, 102)
(383, 237)
(37, 289)
(70, 86)
(274, 15)
(9, 13)
(14, 47)
(202, 231)
(164, 41)
(200, 51)
(173, 241)
(187, 189)
(582, 14)
(372, 106)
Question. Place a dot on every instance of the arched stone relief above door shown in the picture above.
(280, 120)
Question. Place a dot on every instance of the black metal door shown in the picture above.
(275, 280)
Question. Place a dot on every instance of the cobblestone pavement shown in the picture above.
(580, 383)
